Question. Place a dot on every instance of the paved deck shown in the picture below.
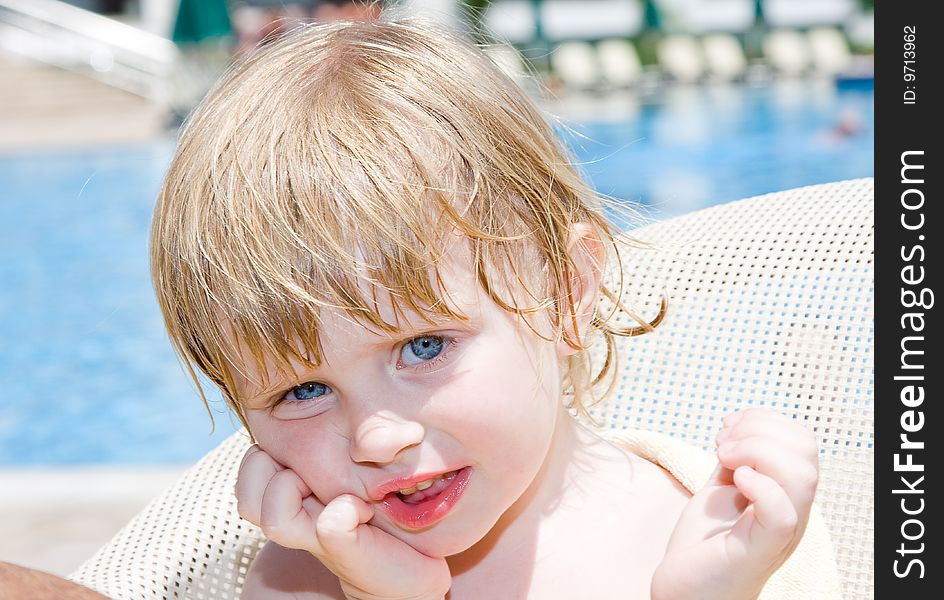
(45, 107)
(54, 519)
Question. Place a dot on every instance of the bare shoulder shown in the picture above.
(279, 572)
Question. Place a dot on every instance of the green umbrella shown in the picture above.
(652, 20)
(198, 20)
(754, 36)
(538, 22)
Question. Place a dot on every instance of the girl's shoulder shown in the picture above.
(279, 572)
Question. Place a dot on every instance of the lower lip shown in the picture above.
(431, 510)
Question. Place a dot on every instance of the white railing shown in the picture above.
(63, 35)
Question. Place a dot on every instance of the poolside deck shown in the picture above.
(44, 107)
(53, 519)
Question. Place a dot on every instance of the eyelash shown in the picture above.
(451, 343)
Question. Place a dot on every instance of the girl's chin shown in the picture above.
(445, 550)
(435, 542)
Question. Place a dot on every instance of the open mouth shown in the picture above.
(426, 489)
(426, 502)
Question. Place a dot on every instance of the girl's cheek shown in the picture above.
(295, 446)
(321, 469)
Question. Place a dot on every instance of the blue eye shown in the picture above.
(308, 391)
(422, 349)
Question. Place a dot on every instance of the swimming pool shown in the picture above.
(86, 373)
(694, 147)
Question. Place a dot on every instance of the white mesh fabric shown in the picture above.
(770, 305)
(187, 543)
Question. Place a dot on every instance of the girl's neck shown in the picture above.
(508, 551)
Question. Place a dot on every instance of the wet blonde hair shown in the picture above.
(348, 154)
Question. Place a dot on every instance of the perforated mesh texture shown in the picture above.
(187, 543)
(770, 305)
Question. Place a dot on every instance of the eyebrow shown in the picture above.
(263, 395)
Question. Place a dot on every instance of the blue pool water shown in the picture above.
(698, 147)
(86, 373)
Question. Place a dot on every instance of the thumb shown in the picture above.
(721, 476)
(340, 533)
(370, 559)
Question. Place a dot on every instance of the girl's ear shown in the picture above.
(587, 255)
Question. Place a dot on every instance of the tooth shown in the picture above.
(408, 491)
(424, 484)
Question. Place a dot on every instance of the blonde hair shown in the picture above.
(345, 154)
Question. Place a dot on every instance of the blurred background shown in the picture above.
(672, 104)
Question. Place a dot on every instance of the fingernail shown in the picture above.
(745, 471)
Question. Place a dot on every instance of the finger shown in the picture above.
(252, 449)
(754, 415)
(732, 419)
(774, 520)
(718, 508)
(796, 474)
(340, 533)
(729, 422)
(286, 517)
(789, 468)
(255, 472)
(772, 426)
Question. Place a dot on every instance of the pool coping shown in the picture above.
(55, 518)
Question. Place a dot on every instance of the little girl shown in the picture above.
(377, 248)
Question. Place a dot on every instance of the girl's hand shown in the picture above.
(370, 563)
(738, 530)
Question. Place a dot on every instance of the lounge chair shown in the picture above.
(576, 64)
(830, 51)
(788, 52)
(681, 58)
(619, 63)
(724, 57)
(770, 305)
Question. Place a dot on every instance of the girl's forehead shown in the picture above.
(449, 270)
(459, 293)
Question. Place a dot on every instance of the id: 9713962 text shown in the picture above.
(910, 58)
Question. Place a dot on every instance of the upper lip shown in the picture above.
(401, 483)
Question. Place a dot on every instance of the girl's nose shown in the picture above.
(382, 436)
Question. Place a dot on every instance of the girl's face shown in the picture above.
(441, 427)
